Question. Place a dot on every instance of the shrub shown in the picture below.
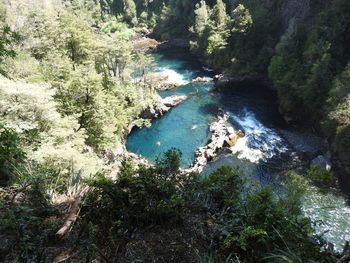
(137, 198)
(320, 176)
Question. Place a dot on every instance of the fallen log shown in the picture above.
(73, 215)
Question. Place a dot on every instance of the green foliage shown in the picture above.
(137, 198)
(130, 11)
(252, 224)
(242, 19)
(169, 164)
(222, 185)
(49, 139)
(320, 176)
(26, 227)
(88, 70)
(7, 40)
(11, 154)
(337, 123)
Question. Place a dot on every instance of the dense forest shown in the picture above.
(71, 86)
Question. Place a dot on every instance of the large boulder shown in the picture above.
(306, 143)
(202, 79)
(162, 81)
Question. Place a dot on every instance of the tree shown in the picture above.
(78, 38)
(7, 39)
(130, 11)
(200, 29)
(241, 19)
(112, 55)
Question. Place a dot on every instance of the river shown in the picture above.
(263, 152)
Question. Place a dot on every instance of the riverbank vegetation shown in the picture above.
(182, 218)
(69, 91)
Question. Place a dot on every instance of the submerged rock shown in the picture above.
(223, 135)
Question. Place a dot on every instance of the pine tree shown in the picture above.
(219, 28)
(242, 19)
(130, 12)
(200, 27)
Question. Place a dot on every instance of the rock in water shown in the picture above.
(202, 79)
(161, 106)
(223, 135)
(173, 101)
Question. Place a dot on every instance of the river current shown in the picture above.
(263, 152)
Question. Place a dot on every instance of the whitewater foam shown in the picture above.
(174, 77)
(259, 142)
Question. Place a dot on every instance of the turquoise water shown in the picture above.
(262, 153)
(175, 129)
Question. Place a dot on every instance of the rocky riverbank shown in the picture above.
(223, 136)
(161, 106)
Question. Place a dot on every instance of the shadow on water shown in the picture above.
(210, 108)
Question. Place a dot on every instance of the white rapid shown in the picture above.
(174, 77)
(330, 211)
(259, 143)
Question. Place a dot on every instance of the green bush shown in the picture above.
(253, 224)
(137, 198)
(320, 176)
(27, 222)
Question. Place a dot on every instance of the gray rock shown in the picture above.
(200, 79)
(223, 82)
(173, 101)
(323, 161)
(308, 144)
(161, 106)
(222, 135)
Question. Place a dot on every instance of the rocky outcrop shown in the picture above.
(223, 135)
(174, 43)
(161, 81)
(308, 144)
(172, 101)
(142, 44)
(161, 106)
(223, 82)
(202, 79)
(323, 161)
